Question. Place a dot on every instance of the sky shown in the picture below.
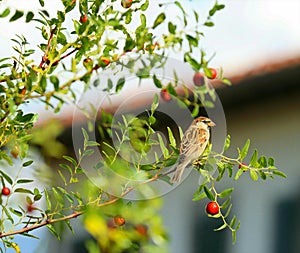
(247, 33)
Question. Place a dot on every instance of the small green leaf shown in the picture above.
(42, 3)
(88, 152)
(92, 144)
(180, 7)
(233, 233)
(48, 201)
(6, 177)
(55, 81)
(37, 197)
(262, 175)
(5, 13)
(85, 135)
(155, 103)
(26, 164)
(70, 159)
(263, 161)
(53, 231)
(145, 5)
(172, 28)
(279, 173)
(43, 83)
(209, 24)
(16, 212)
(24, 181)
(199, 196)
(68, 223)
(157, 82)
(147, 167)
(192, 40)
(7, 214)
(62, 177)
(221, 227)
(23, 190)
(226, 192)
(232, 222)
(58, 196)
(253, 158)
(271, 161)
(171, 137)
(227, 143)
(29, 16)
(245, 149)
(228, 211)
(18, 14)
(238, 174)
(226, 81)
(253, 175)
(160, 18)
(120, 84)
(163, 148)
(226, 203)
(208, 193)
(190, 60)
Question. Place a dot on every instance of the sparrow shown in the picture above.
(193, 144)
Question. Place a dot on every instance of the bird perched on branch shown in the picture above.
(193, 144)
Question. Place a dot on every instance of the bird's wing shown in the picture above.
(193, 142)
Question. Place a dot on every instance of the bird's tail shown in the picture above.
(176, 178)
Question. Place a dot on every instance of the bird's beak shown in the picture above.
(211, 124)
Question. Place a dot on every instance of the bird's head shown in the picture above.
(202, 121)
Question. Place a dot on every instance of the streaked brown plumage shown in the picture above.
(193, 144)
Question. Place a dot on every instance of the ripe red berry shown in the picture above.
(213, 73)
(83, 18)
(141, 229)
(198, 79)
(30, 208)
(165, 95)
(5, 191)
(119, 221)
(212, 208)
(126, 3)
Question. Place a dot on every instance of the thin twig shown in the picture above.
(77, 213)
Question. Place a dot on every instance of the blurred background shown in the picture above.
(257, 42)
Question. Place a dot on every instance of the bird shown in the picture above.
(193, 144)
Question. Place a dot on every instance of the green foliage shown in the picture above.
(70, 57)
(235, 167)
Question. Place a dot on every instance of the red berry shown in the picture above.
(241, 165)
(30, 208)
(165, 95)
(212, 208)
(198, 79)
(126, 3)
(105, 60)
(5, 191)
(213, 73)
(83, 18)
(141, 229)
(119, 221)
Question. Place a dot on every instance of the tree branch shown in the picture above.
(79, 213)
